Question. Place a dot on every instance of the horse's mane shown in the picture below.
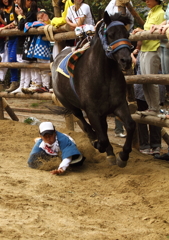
(108, 19)
(122, 18)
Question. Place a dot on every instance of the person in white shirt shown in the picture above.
(79, 14)
(112, 9)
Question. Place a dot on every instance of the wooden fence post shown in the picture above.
(1, 109)
(57, 10)
(9, 110)
(69, 122)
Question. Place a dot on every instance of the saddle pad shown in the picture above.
(67, 65)
(62, 68)
(74, 58)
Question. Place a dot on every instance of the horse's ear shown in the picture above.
(107, 18)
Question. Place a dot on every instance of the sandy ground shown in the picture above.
(93, 202)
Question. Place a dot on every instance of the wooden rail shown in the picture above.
(162, 79)
(150, 120)
(63, 33)
(38, 96)
(29, 65)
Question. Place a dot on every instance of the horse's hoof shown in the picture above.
(120, 163)
(111, 160)
(94, 143)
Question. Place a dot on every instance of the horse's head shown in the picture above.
(114, 38)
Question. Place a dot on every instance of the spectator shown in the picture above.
(119, 131)
(39, 49)
(149, 135)
(112, 8)
(149, 57)
(79, 14)
(164, 51)
(59, 21)
(6, 5)
(24, 10)
(3, 50)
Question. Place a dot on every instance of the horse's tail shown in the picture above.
(59, 110)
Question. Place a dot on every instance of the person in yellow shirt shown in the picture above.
(59, 21)
(150, 64)
(150, 57)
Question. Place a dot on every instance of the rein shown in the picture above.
(113, 47)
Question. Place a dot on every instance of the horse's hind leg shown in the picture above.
(102, 143)
(84, 125)
(123, 113)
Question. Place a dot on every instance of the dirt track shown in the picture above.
(94, 202)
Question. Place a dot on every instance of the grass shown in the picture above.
(34, 105)
(28, 120)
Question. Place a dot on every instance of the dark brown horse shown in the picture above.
(99, 86)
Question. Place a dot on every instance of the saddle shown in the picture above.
(67, 65)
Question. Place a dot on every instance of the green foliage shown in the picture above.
(47, 5)
(28, 120)
(34, 105)
(98, 7)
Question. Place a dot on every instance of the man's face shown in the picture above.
(39, 17)
(78, 2)
(45, 17)
(49, 138)
(28, 3)
(151, 3)
(5, 2)
(42, 17)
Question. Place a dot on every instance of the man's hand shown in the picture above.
(18, 11)
(122, 3)
(137, 30)
(57, 171)
(163, 28)
(153, 28)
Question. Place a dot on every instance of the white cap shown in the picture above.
(46, 127)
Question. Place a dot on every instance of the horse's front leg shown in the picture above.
(129, 124)
(102, 143)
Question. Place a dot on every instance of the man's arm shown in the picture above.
(63, 166)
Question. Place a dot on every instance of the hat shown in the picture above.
(46, 127)
(42, 11)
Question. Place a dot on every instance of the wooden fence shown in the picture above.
(60, 34)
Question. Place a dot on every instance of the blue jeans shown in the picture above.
(36, 154)
(148, 138)
(118, 126)
(12, 46)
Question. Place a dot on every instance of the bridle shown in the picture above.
(113, 47)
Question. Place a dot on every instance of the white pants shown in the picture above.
(56, 50)
(150, 64)
(45, 78)
(25, 75)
